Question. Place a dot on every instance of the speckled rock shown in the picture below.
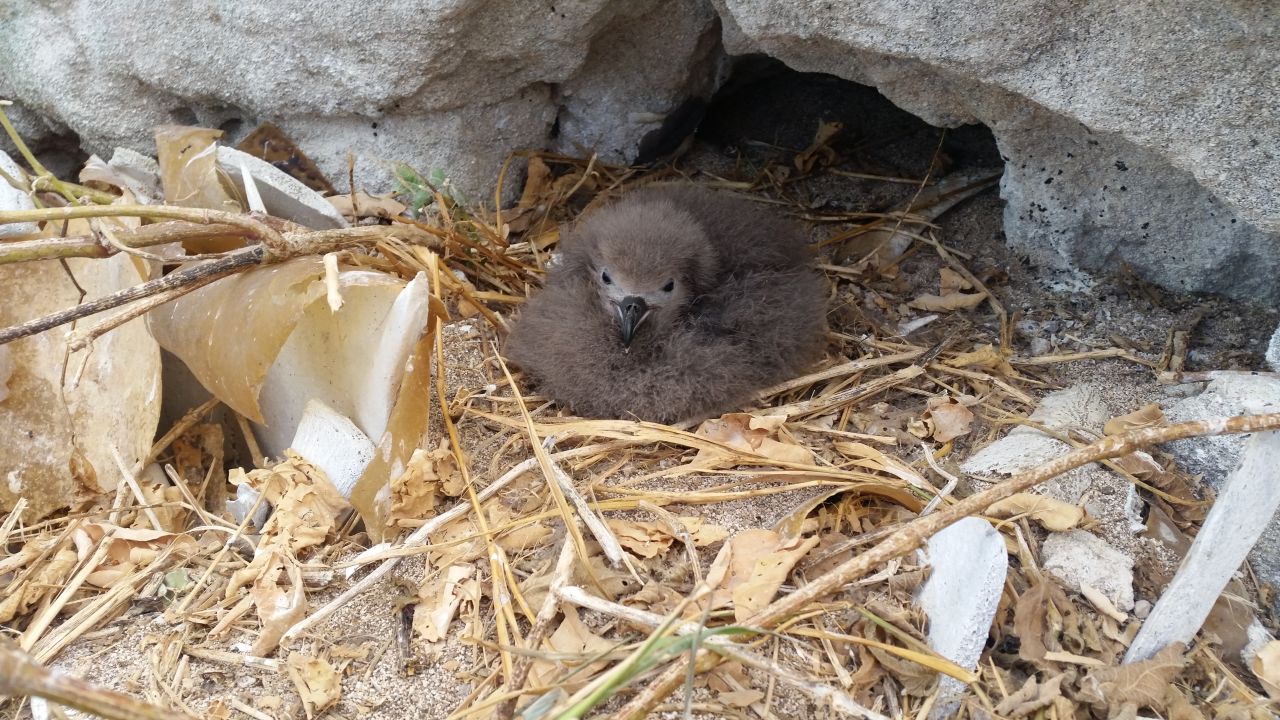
(1129, 135)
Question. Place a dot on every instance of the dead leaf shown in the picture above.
(270, 143)
(415, 492)
(947, 418)
(128, 548)
(366, 205)
(576, 641)
(649, 539)
(1144, 417)
(1142, 684)
(1031, 697)
(820, 148)
(951, 281)
(307, 510)
(751, 567)
(439, 599)
(983, 356)
(950, 301)
(46, 582)
(536, 185)
(1266, 666)
(751, 434)
(740, 698)
(319, 685)
(1055, 515)
(1032, 620)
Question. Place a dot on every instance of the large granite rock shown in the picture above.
(449, 84)
(1136, 132)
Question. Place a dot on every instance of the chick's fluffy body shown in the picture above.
(736, 305)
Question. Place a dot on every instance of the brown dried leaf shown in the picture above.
(439, 597)
(1266, 666)
(415, 492)
(983, 356)
(574, 639)
(740, 698)
(307, 509)
(649, 539)
(751, 567)
(1031, 697)
(366, 205)
(820, 148)
(1142, 683)
(952, 282)
(45, 582)
(270, 143)
(750, 433)
(537, 184)
(947, 418)
(319, 685)
(950, 301)
(1033, 620)
(1144, 417)
(1053, 514)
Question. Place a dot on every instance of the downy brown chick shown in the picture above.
(673, 303)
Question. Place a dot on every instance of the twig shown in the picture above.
(87, 246)
(849, 395)
(179, 279)
(256, 229)
(189, 277)
(917, 532)
(550, 605)
(20, 676)
(848, 368)
(81, 337)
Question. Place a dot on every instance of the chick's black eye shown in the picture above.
(671, 285)
(604, 277)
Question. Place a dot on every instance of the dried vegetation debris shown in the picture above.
(559, 566)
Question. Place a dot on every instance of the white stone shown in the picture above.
(969, 562)
(1079, 406)
(283, 195)
(1248, 501)
(1081, 559)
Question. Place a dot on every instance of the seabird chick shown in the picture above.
(672, 303)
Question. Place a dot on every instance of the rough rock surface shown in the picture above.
(1129, 135)
(1083, 560)
(450, 84)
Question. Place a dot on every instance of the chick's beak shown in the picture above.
(632, 311)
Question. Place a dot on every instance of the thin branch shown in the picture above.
(185, 278)
(915, 533)
(189, 278)
(20, 675)
(256, 229)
